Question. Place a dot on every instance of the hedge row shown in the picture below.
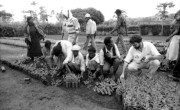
(17, 29)
(11, 30)
(154, 30)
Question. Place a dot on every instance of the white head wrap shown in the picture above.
(76, 47)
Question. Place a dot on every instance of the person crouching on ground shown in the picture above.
(62, 52)
(92, 63)
(109, 57)
(76, 63)
(141, 55)
(46, 49)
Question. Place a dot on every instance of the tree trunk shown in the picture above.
(162, 29)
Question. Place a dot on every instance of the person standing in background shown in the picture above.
(90, 31)
(121, 29)
(71, 27)
(33, 37)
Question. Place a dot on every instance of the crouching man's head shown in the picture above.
(75, 50)
(136, 41)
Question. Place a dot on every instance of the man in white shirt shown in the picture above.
(90, 31)
(141, 55)
(92, 62)
(76, 63)
(71, 27)
(62, 51)
(110, 58)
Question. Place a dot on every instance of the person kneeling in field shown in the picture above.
(110, 58)
(76, 63)
(62, 51)
(92, 63)
(141, 55)
(46, 49)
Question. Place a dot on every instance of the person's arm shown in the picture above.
(123, 71)
(69, 55)
(117, 53)
(42, 35)
(82, 63)
(62, 35)
(128, 58)
(51, 58)
(155, 54)
(101, 60)
(43, 52)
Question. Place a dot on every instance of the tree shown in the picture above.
(96, 15)
(163, 13)
(5, 16)
(43, 14)
(35, 16)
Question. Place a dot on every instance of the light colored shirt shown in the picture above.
(148, 50)
(101, 54)
(79, 60)
(96, 59)
(66, 49)
(91, 27)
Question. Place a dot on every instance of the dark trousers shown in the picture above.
(176, 70)
(110, 68)
(74, 68)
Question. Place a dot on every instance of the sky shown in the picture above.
(133, 8)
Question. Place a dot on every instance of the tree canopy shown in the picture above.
(96, 15)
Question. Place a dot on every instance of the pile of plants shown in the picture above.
(156, 93)
(106, 87)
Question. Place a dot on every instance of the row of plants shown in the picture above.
(17, 29)
(146, 93)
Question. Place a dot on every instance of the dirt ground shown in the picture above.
(16, 94)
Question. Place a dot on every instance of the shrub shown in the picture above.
(154, 29)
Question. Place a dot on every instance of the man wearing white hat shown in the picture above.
(76, 63)
(71, 26)
(90, 31)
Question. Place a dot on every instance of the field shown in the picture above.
(37, 96)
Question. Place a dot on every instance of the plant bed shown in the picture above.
(38, 69)
(145, 93)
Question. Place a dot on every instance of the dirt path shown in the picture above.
(15, 94)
